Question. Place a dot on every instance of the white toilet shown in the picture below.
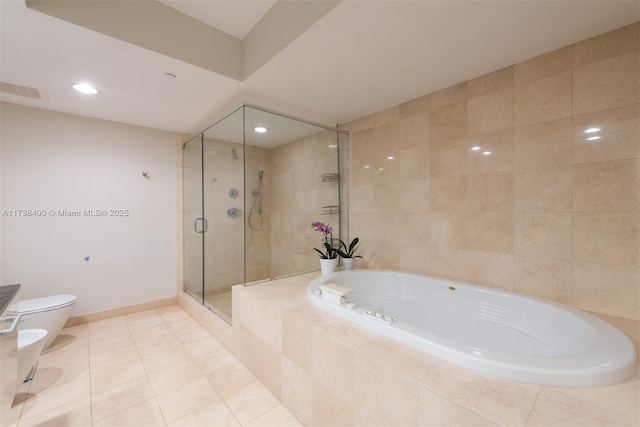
(30, 345)
(49, 313)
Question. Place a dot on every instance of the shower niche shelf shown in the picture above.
(329, 177)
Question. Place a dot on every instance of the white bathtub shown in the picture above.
(493, 331)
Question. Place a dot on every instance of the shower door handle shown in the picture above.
(203, 229)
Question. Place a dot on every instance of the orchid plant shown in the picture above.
(349, 251)
(329, 251)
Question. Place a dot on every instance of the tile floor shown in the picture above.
(153, 368)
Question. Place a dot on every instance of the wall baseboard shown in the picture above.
(121, 311)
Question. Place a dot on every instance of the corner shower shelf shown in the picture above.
(328, 177)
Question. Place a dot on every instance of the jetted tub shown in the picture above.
(497, 332)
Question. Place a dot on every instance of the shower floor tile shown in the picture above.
(220, 302)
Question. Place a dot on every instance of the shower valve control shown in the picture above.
(234, 212)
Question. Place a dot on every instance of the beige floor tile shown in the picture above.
(122, 373)
(107, 328)
(143, 320)
(146, 413)
(54, 397)
(277, 417)
(148, 368)
(52, 376)
(172, 313)
(202, 346)
(67, 340)
(114, 357)
(554, 408)
(98, 347)
(250, 402)
(18, 403)
(173, 377)
(188, 330)
(214, 415)
(172, 356)
(75, 414)
(215, 360)
(119, 398)
(186, 399)
(64, 355)
(230, 378)
(155, 339)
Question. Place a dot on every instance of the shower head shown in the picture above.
(234, 153)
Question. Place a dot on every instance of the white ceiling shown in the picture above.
(361, 57)
(234, 17)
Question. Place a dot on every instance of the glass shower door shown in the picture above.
(194, 223)
(223, 199)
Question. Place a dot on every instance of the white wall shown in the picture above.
(55, 161)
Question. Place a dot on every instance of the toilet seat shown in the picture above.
(39, 305)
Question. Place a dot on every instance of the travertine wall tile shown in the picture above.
(500, 156)
(448, 122)
(419, 105)
(491, 112)
(544, 277)
(543, 65)
(450, 95)
(610, 83)
(542, 190)
(612, 43)
(492, 82)
(610, 238)
(542, 100)
(606, 186)
(543, 234)
(543, 145)
(619, 297)
(495, 181)
(616, 139)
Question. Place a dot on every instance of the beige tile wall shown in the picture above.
(258, 241)
(297, 195)
(547, 213)
(224, 239)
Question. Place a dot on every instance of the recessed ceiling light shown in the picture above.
(367, 166)
(593, 138)
(390, 157)
(476, 148)
(260, 129)
(486, 153)
(592, 130)
(170, 75)
(85, 88)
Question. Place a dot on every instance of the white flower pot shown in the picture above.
(328, 265)
(348, 263)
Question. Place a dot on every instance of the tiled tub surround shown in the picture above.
(328, 371)
(547, 213)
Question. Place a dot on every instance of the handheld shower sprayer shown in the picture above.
(257, 204)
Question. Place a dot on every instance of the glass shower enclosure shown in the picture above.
(253, 184)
